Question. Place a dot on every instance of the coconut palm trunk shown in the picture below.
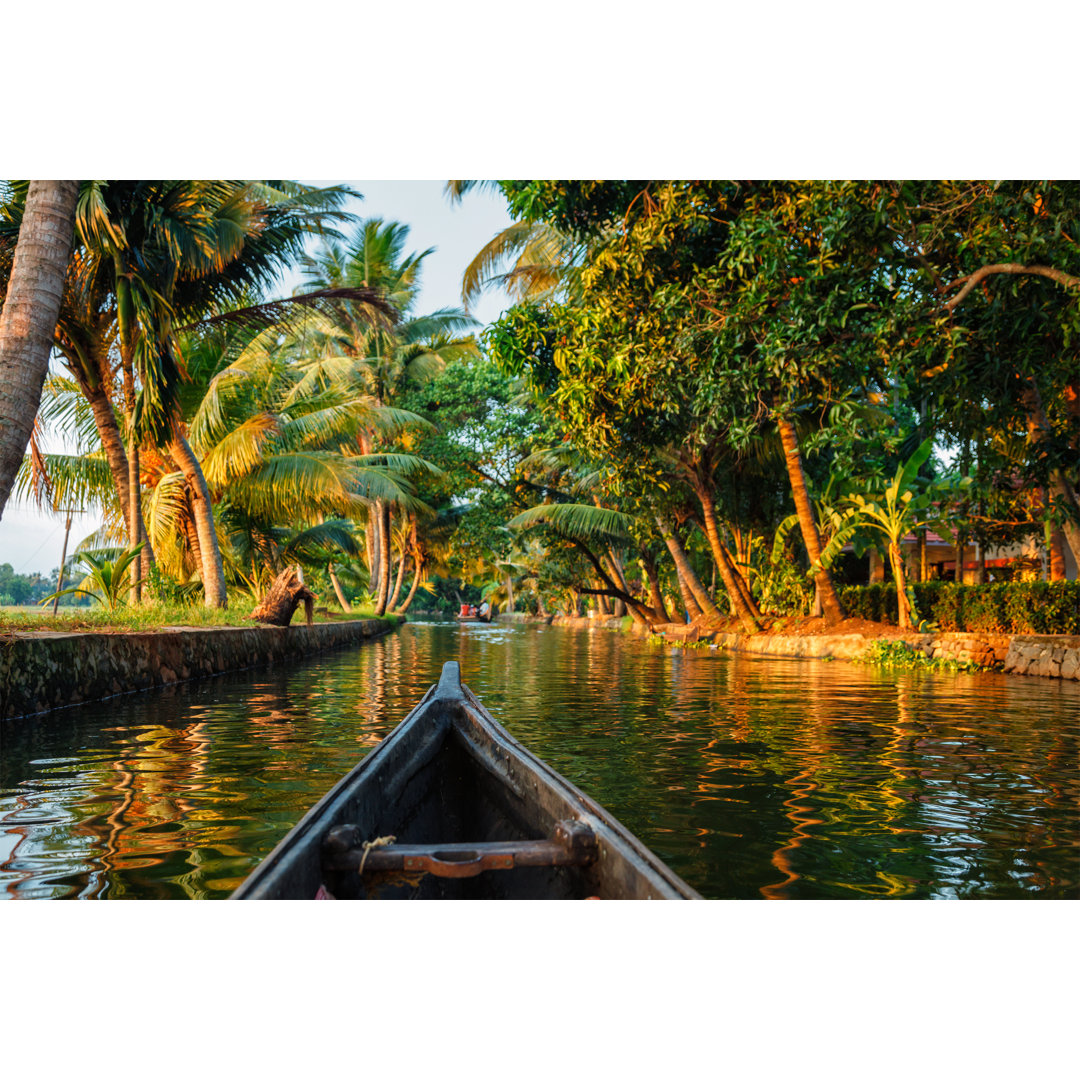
(371, 545)
(343, 600)
(619, 578)
(656, 594)
(392, 604)
(834, 610)
(382, 514)
(111, 440)
(133, 511)
(602, 605)
(213, 572)
(690, 605)
(28, 318)
(745, 609)
(418, 569)
(191, 533)
(687, 576)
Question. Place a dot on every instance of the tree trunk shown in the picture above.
(686, 571)
(382, 513)
(834, 610)
(134, 507)
(417, 573)
(192, 534)
(1057, 556)
(740, 581)
(283, 598)
(656, 596)
(619, 580)
(1038, 427)
(111, 440)
(371, 546)
(690, 605)
(28, 318)
(509, 594)
(400, 579)
(747, 613)
(904, 614)
(339, 592)
(602, 605)
(923, 568)
(213, 573)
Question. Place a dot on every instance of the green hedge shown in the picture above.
(1004, 607)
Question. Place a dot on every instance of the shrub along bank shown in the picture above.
(1020, 607)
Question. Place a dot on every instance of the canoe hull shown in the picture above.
(450, 774)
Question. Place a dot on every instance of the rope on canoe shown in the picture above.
(379, 841)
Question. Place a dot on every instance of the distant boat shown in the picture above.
(464, 615)
(450, 807)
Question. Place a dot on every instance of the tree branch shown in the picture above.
(970, 281)
(612, 590)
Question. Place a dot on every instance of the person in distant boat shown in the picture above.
(472, 611)
(485, 611)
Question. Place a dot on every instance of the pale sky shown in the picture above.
(32, 541)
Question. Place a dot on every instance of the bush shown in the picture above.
(170, 592)
(1002, 607)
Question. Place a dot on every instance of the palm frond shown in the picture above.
(578, 521)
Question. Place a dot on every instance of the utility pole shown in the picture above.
(63, 558)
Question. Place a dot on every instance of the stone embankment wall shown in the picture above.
(987, 650)
(1055, 656)
(44, 670)
(1052, 656)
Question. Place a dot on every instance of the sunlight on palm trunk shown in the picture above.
(29, 315)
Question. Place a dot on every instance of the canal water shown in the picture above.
(752, 778)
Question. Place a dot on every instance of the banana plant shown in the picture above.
(908, 503)
(837, 524)
(108, 577)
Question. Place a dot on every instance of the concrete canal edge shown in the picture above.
(46, 670)
(1052, 656)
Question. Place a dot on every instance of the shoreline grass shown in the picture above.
(150, 617)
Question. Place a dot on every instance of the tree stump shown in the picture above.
(280, 603)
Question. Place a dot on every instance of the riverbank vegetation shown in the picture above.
(709, 401)
(151, 615)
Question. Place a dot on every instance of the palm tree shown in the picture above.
(34, 288)
(531, 260)
(151, 254)
(412, 350)
(274, 429)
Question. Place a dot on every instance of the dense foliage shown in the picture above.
(710, 398)
(1022, 607)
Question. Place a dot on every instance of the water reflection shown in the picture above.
(751, 778)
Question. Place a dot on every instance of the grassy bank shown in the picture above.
(150, 617)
